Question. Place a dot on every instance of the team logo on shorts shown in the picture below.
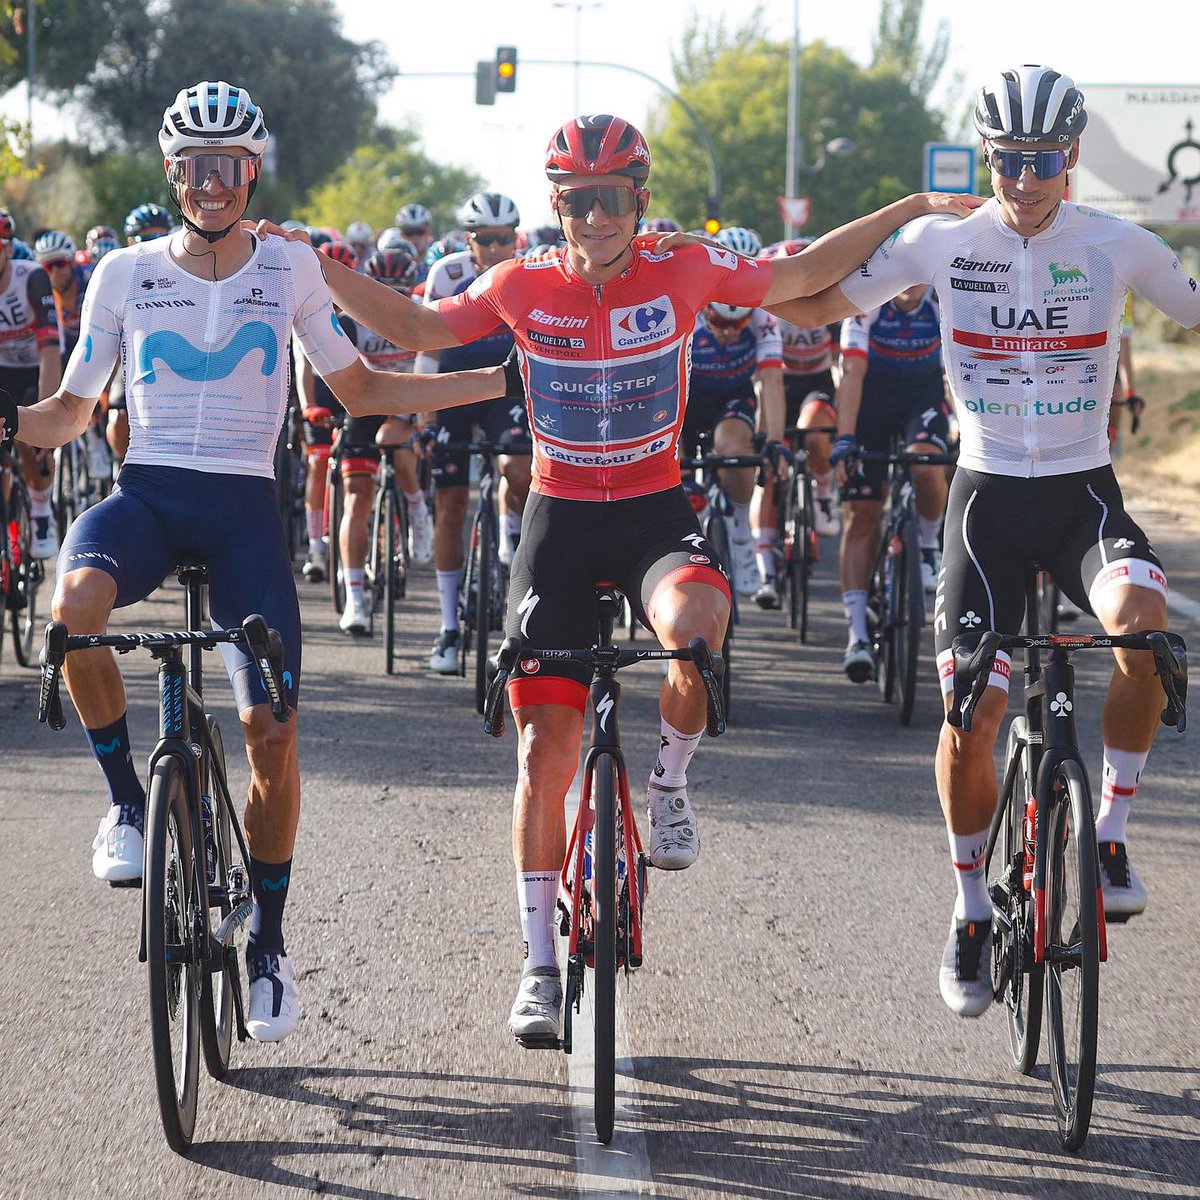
(699, 558)
(530, 666)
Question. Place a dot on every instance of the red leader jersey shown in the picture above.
(605, 368)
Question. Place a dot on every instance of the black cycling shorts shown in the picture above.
(706, 412)
(913, 410)
(1075, 526)
(567, 547)
(501, 421)
(798, 388)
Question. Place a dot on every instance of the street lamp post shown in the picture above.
(578, 6)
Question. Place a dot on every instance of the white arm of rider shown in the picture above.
(100, 324)
(320, 334)
(1149, 267)
(901, 261)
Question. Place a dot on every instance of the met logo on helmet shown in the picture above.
(642, 324)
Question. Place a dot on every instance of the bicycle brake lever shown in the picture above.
(493, 704)
(266, 648)
(1170, 661)
(973, 661)
(54, 654)
(711, 667)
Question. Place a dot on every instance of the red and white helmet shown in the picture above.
(598, 145)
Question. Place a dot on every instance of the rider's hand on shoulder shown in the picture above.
(264, 227)
(951, 204)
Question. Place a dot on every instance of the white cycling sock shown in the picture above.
(354, 580)
(39, 501)
(537, 894)
(927, 532)
(855, 605)
(1122, 773)
(967, 853)
(823, 486)
(448, 582)
(674, 753)
(741, 522)
(764, 551)
(416, 500)
(314, 519)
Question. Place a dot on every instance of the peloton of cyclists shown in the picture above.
(1031, 284)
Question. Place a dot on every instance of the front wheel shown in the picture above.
(1072, 951)
(717, 533)
(484, 602)
(604, 868)
(26, 579)
(908, 615)
(335, 502)
(171, 898)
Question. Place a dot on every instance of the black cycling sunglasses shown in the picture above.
(1011, 164)
(493, 239)
(616, 200)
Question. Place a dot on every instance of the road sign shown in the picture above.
(1140, 155)
(795, 210)
(949, 168)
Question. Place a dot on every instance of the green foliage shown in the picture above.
(737, 83)
(390, 171)
(897, 45)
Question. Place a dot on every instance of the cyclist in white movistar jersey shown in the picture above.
(1031, 290)
(200, 321)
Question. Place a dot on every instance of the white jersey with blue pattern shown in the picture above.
(205, 363)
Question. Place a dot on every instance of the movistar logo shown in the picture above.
(200, 366)
(287, 679)
(275, 885)
(105, 748)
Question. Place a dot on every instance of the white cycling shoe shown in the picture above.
(354, 619)
(744, 567)
(674, 837)
(118, 847)
(273, 1008)
(825, 518)
(537, 1011)
(965, 976)
(420, 529)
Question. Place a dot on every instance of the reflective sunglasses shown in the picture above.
(715, 322)
(1011, 164)
(493, 239)
(616, 200)
(233, 170)
(58, 262)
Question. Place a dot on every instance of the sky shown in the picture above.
(1098, 41)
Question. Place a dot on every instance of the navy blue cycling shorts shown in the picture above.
(160, 517)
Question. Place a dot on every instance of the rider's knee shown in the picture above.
(687, 611)
(268, 742)
(985, 728)
(83, 600)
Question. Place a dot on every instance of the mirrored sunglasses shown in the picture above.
(1011, 164)
(56, 263)
(233, 170)
(616, 200)
(493, 239)
(715, 322)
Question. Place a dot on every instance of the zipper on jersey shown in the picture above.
(1029, 362)
(602, 390)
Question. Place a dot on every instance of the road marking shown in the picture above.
(1184, 607)
(621, 1168)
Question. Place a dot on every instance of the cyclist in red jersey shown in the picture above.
(602, 329)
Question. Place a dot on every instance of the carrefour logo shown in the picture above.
(643, 324)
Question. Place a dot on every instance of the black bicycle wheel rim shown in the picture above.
(604, 871)
(335, 502)
(63, 497)
(1022, 989)
(387, 517)
(27, 576)
(468, 604)
(169, 896)
(880, 627)
(910, 617)
(1072, 954)
(793, 554)
(718, 538)
(216, 988)
(483, 606)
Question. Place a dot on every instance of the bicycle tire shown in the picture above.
(63, 499)
(488, 564)
(807, 534)
(717, 533)
(468, 615)
(789, 549)
(909, 616)
(605, 793)
(390, 580)
(334, 506)
(879, 624)
(1072, 954)
(26, 578)
(1022, 988)
(170, 895)
(217, 987)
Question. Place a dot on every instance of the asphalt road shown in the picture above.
(785, 1037)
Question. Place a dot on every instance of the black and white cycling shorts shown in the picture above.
(1075, 526)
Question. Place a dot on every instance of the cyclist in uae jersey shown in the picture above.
(200, 322)
(602, 329)
(490, 220)
(1032, 290)
(736, 389)
(30, 370)
(891, 387)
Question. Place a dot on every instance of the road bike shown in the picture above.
(196, 874)
(1048, 919)
(386, 569)
(896, 593)
(602, 885)
(21, 575)
(797, 547)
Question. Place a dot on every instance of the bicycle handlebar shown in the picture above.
(906, 458)
(264, 645)
(710, 665)
(974, 654)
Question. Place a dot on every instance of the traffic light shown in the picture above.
(713, 224)
(485, 83)
(506, 69)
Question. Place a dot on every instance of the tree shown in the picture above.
(391, 170)
(737, 83)
(897, 45)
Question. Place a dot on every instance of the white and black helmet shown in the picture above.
(486, 210)
(741, 240)
(214, 116)
(1030, 104)
(53, 245)
(414, 216)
